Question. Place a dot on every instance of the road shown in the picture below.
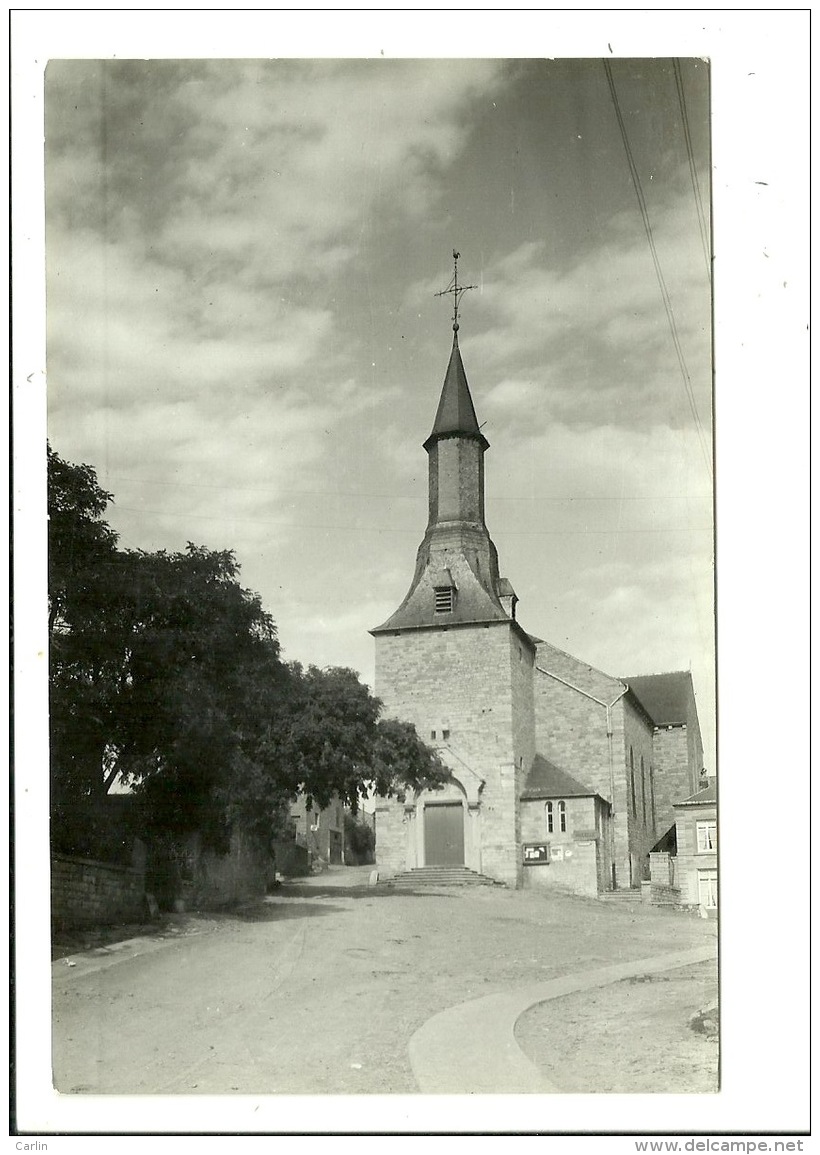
(319, 989)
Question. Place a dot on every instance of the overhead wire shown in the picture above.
(693, 168)
(228, 519)
(667, 301)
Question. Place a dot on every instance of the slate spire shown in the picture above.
(455, 416)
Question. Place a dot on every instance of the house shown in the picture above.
(562, 775)
(696, 867)
(319, 830)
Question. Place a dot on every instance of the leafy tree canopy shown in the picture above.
(166, 672)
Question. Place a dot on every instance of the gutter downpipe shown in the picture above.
(609, 735)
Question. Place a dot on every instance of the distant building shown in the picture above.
(696, 867)
(320, 831)
(562, 775)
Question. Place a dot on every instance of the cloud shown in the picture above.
(200, 217)
(591, 343)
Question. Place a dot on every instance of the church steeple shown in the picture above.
(456, 412)
(456, 580)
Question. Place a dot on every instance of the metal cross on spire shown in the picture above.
(456, 289)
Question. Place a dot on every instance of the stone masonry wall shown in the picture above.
(674, 779)
(638, 750)
(694, 740)
(578, 673)
(89, 893)
(571, 732)
(522, 661)
(459, 679)
(238, 876)
(391, 836)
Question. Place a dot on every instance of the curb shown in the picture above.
(470, 1049)
(99, 958)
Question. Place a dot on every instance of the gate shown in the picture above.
(444, 834)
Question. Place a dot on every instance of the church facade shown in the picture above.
(563, 776)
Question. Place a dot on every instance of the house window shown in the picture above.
(444, 599)
(707, 889)
(707, 836)
(643, 790)
(550, 819)
(445, 734)
(632, 781)
(562, 816)
(433, 735)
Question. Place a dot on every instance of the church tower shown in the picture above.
(453, 660)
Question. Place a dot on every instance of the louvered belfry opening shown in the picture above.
(445, 599)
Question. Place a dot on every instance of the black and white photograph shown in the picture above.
(378, 460)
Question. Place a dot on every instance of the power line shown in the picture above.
(418, 498)
(228, 520)
(667, 301)
(693, 170)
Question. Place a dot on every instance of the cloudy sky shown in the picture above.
(244, 338)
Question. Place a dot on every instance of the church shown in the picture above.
(563, 776)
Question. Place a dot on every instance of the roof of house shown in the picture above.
(456, 413)
(665, 697)
(708, 794)
(546, 780)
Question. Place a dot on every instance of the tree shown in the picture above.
(336, 743)
(360, 842)
(87, 620)
(166, 672)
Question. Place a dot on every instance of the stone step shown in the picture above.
(442, 876)
(628, 895)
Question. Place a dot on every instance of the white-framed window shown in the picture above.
(707, 836)
(562, 816)
(550, 818)
(708, 889)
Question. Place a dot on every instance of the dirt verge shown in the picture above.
(637, 1036)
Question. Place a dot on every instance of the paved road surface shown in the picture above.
(319, 989)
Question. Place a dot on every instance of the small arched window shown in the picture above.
(550, 819)
(562, 816)
(632, 781)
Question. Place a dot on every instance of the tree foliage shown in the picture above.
(166, 672)
(360, 842)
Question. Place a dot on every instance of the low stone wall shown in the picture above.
(88, 893)
(657, 894)
(291, 859)
(226, 879)
(662, 888)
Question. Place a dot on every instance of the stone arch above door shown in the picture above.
(467, 780)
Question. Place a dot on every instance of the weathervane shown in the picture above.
(456, 289)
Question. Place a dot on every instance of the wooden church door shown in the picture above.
(444, 834)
